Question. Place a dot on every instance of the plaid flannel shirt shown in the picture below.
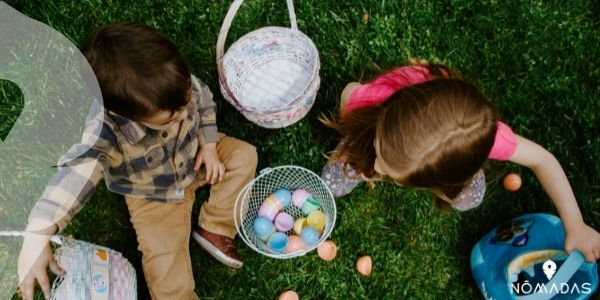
(133, 159)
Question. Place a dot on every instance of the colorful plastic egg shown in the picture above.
(284, 222)
(309, 205)
(299, 197)
(295, 244)
(299, 224)
(316, 219)
(289, 295)
(278, 241)
(512, 182)
(364, 265)
(284, 196)
(263, 228)
(309, 236)
(270, 207)
(327, 250)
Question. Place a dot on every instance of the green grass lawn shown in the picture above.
(539, 62)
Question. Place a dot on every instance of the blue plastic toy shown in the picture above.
(524, 260)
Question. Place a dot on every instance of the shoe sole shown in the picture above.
(216, 253)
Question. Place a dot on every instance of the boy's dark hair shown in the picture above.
(139, 70)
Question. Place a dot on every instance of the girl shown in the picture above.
(424, 127)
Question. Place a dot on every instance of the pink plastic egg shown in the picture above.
(284, 222)
(327, 250)
(512, 182)
(299, 196)
(295, 244)
(364, 265)
(289, 295)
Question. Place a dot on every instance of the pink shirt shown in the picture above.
(380, 89)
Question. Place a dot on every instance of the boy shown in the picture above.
(149, 141)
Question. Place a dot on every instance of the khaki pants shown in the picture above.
(163, 229)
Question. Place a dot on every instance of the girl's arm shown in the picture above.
(554, 181)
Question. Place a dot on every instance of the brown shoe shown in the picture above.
(219, 246)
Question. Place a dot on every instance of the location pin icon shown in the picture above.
(549, 268)
(60, 94)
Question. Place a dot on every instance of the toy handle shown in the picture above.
(566, 271)
(235, 6)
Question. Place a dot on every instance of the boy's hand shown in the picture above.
(215, 169)
(30, 271)
(584, 239)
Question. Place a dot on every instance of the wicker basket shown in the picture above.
(288, 177)
(91, 272)
(270, 75)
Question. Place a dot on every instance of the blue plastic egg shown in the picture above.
(263, 228)
(309, 235)
(278, 241)
(284, 196)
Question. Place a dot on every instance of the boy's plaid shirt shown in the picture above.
(134, 160)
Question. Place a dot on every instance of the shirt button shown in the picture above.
(149, 159)
(165, 134)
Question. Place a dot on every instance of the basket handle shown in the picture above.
(235, 6)
(293, 23)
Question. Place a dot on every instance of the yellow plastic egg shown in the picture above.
(316, 219)
(327, 250)
(299, 224)
(364, 265)
(289, 295)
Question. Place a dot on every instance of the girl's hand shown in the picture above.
(215, 169)
(552, 177)
(584, 239)
(31, 271)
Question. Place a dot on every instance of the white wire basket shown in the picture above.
(270, 75)
(287, 177)
(91, 272)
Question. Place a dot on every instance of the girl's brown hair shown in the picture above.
(139, 70)
(436, 134)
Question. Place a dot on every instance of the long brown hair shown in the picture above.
(437, 134)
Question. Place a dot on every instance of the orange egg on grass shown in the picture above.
(327, 250)
(289, 295)
(364, 265)
(512, 182)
